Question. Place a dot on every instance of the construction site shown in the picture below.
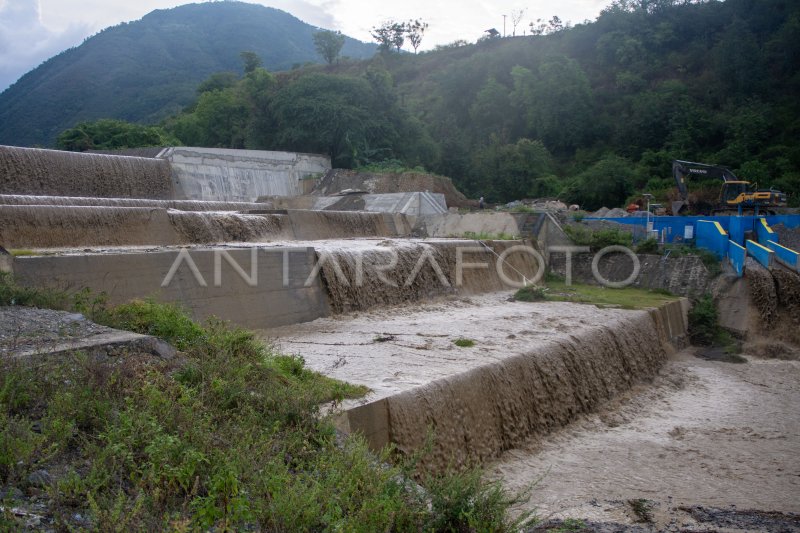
(607, 412)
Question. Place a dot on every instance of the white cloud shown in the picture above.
(25, 41)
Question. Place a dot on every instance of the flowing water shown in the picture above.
(52, 172)
(55, 226)
(182, 205)
(397, 272)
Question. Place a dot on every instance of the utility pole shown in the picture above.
(504, 25)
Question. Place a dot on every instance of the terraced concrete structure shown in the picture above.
(351, 291)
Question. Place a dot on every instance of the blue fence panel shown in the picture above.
(765, 233)
(676, 226)
(711, 236)
(737, 226)
(785, 255)
(760, 253)
(736, 256)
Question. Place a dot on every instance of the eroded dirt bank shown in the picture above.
(705, 433)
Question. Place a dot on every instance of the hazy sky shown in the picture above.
(31, 31)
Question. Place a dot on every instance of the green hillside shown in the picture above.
(592, 114)
(144, 71)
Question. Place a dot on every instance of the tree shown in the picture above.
(516, 18)
(109, 134)
(557, 101)
(415, 30)
(250, 60)
(329, 44)
(217, 82)
(390, 34)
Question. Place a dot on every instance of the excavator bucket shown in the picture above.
(678, 207)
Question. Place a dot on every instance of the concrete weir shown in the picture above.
(271, 284)
(533, 368)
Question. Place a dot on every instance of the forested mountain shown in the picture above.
(146, 70)
(591, 113)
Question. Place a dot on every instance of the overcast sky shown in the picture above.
(32, 31)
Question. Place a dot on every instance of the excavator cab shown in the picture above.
(734, 193)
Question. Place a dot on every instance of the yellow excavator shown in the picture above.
(735, 196)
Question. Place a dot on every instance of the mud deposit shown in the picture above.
(699, 450)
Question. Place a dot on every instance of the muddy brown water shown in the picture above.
(396, 272)
(532, 369)
(703, 433)
(182, 205)
(53, 172)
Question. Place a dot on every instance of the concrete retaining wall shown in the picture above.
(456, 224)
(57, 226)
(206, 283)
(217, 174)
(684, 276)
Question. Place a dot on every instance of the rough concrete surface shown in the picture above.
(26, 332)
(217, 174)
(684, 276)
(456, 225)
(338, 180)
(233, 295)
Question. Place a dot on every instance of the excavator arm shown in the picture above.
(681, 170)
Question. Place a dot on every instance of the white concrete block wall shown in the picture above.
(217, 174)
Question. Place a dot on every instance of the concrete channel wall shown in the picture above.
(58, 226)
(523, 395)
(256, 292)
(216, 174)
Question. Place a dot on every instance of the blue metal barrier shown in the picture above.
(760, 253)
(711, 236)
(764, 232)
(785, 256)
(736, 256)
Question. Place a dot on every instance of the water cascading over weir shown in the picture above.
(56, 173)
(227, 255)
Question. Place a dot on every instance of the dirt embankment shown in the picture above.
(337, 180)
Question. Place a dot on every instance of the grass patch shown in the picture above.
(229, 438)
(531, 293)
(626, 298)
(13, 294)
(464, 343)
(484, 236)
(596, 240)
(22, 253)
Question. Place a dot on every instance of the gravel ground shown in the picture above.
(788, 237)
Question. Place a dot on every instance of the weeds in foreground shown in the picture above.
(229, 437)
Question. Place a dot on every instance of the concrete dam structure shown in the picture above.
(180, 173)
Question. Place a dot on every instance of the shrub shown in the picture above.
(531, 293)
(704, 322)
(597, 240)
(464, 343)
(647, 246)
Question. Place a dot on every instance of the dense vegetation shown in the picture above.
(593, 113)
(147, 70)
(228, 437)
